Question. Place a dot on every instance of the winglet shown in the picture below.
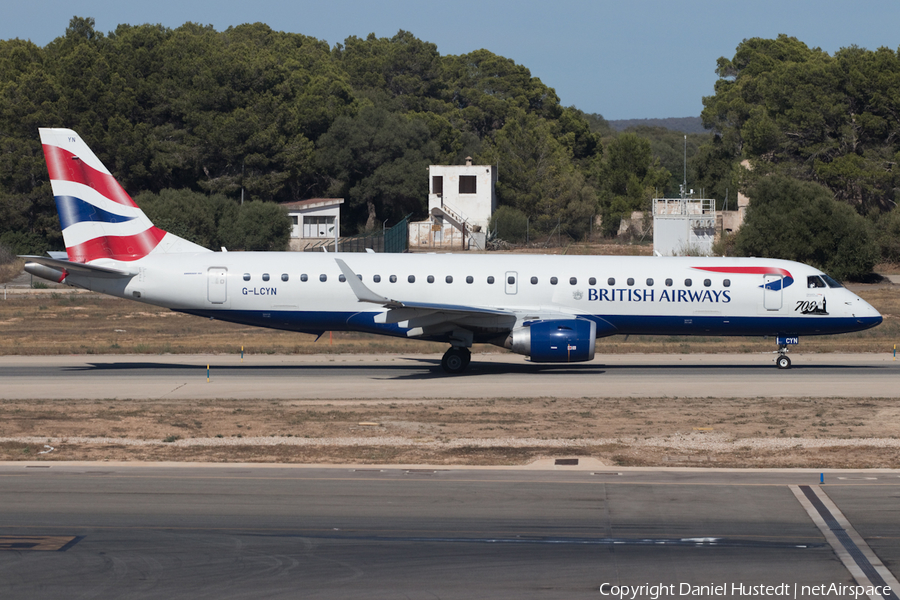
(364, 294)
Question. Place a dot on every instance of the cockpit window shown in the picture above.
(831, 282)
(814, 281)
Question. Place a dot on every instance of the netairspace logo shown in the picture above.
(784, 590)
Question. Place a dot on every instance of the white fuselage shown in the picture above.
(622, 294)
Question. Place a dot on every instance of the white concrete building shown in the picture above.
(461, 200)
(314, 220)
(684, 226)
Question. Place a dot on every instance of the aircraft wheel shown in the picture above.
(456, 360)
(783, 362)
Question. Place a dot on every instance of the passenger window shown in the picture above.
(668, 283)
(592, 281)
(265, 276)
(284, 277)
(611, 281)
(490, 279)
(554, 281)
(727, 283)
(534, 280)
(359, 277)
(687, 283)
(376, 278)
(323, 277)
(246, 276)
(630, 281)
(707, 283)
(430, 279)
(449, 278)
(393, 279)
(649, 282)
(573, 281)
(304, 277)
(411, 279)
(341, 278)
(470, 279)
(511, 280)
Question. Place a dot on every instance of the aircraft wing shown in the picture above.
(74, 267)
(426, 317)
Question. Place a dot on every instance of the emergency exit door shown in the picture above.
(772, 293)
(217, 290)
(512, 282)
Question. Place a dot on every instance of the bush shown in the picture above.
(801, 221)
(509, 224)
(887, 232)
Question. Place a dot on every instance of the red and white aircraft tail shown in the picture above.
(99, 219)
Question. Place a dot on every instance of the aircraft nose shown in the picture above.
(864, 312)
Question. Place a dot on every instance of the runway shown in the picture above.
(420, 376)
(242, 531)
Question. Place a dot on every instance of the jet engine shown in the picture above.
(564, 340)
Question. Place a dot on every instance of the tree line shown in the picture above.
(193, 117)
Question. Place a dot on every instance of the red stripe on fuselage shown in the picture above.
(128, 247)
(748, 270)
(65, 166)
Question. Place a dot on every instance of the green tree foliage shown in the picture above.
(509, 224)
(281, 117)
(214, 220)
(798, 110)
(629, 176)
(799, 220)
(887, 231)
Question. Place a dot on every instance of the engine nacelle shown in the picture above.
(565, 340)
(45, 272)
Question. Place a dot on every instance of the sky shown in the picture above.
(637, 59)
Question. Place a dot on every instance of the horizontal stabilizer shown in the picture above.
(78, 268)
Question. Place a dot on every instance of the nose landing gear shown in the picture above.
(783, 362)
(456, 359)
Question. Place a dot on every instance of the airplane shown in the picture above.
(548, 308)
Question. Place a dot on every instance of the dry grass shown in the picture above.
(11, 270)
(623, 422)
(54, 323)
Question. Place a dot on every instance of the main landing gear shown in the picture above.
(456, 359)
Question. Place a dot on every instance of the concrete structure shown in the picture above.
(461, 200)
(314, 220)
(684, 226)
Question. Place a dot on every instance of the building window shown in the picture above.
(437, 185)
(467, 184)
(284, 277)
(246, 276)
(431, 279)
(265, 276)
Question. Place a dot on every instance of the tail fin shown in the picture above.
(98, 218)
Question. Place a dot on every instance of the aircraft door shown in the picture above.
(772, 292)
(217, 285)
(512, 282)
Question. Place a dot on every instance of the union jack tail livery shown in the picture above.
(99, 219)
